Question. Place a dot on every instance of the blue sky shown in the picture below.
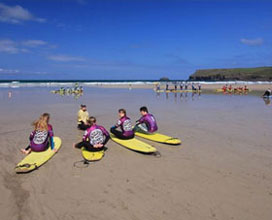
(131, 39)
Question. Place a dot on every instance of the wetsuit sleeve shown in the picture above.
(50, 131)
(118, 124)
(31, 136)
(86, 135)
(141, 120)
(106, 140)
(105, 132)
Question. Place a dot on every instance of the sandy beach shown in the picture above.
(222, 170)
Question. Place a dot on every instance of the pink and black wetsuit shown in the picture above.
(94, 135)
(126, 128)
(39, 140)
(149, 123)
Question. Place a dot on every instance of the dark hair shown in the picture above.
(143, 109)
(92, 120)
(83, 106)
(123, 111)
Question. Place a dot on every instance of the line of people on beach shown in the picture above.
(230, 88)
(95, 136)
(181, 86)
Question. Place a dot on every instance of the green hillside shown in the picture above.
(247, 74)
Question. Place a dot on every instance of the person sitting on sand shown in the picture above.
(42, 135)
(267, 93)
(125, 124)
(147, 123)
(245, 88)
(230, 87)
(95, 137)
(82, 117)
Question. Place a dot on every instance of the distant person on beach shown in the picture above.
(167, 87)
(230, 87)
(9, 94)
(193, 87)
(124, 123)
(199, 86)
(181, 86)
(186, 86)
(176, 87)
(267, 93)
(82, 117)
(147, 123)
(95, 137)
(245, 88)
(42, 135)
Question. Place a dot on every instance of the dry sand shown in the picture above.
(223, 169)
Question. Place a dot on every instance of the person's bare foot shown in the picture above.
(74, 145)
(26, 152)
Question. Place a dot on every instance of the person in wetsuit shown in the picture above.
(124, 123)
(147, 123)
(41, 136)
(94, 138)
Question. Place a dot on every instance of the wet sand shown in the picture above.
(222, 170)
(206, 87)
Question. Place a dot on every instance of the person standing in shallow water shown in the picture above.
(82, 117)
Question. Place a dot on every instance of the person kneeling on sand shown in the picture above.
(267, 93)
(147, 123)
(42, 135)
(82, 117)
(95, 137)
(125, 124)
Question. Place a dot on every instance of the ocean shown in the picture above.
(69, 83)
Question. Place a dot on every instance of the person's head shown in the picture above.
(83, 107)
(91, 121)
(46, 117)
(143, 110)
(40, 124)
(122, 112)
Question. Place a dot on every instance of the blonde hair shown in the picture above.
(42, 123)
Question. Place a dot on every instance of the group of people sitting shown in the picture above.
(229, 88)
(95, 136)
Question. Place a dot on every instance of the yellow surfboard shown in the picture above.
(36, 159)
(92, 156)
(135, 145)
(161, 138)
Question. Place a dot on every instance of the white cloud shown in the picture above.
(65, 58)
(252, 42)
(15, 47)
(34, 43)
(8, 46)
(16, 14)
(8, 71)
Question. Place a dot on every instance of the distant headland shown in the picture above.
(241, 74)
